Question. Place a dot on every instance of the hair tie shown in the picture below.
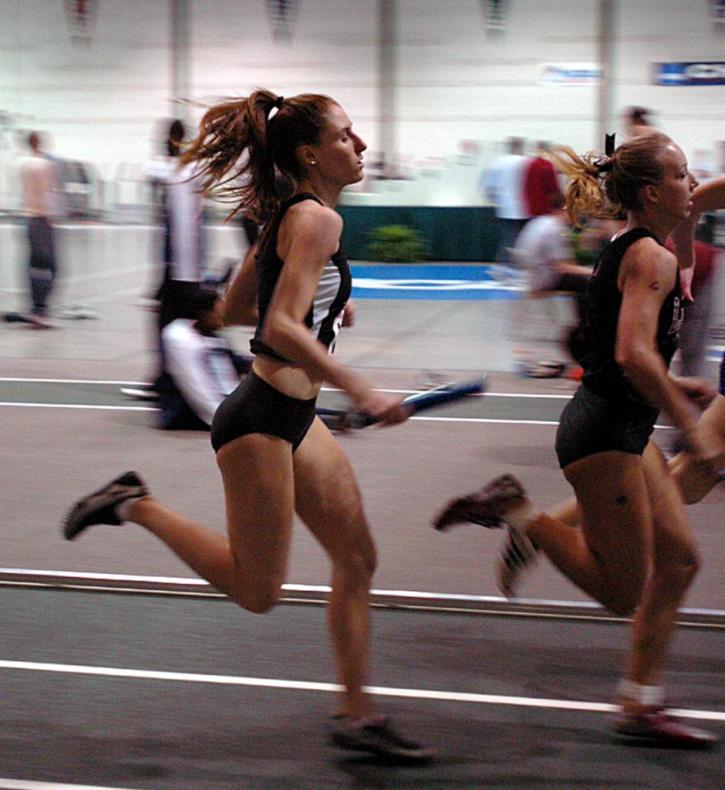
(604, 164)
(275, 108)
(609, 144)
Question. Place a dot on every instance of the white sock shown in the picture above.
(644, 695)
(521, 516)
(123, 509)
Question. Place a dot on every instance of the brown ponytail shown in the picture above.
(242, 144)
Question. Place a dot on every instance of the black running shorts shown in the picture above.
(257, 407)
(593, 424)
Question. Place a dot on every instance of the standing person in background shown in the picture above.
(635, 552)
(275, 456)
(180, 199)
(503, 185)
(695, 331)
(541, 183)
(697, 479)
(183, 225)
(41, 190)
(638, 121)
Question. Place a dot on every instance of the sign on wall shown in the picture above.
(570, 73)
(691, 73)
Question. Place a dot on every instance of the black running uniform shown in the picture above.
(607, 413)
(255, 406)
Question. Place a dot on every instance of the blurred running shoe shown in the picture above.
(143, 392)
(100, 507)
(40, 322)
(660, 728)
(487, 507)
(518, 556)
(377, 736)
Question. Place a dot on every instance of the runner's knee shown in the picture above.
(358, 564)
(623, 603)
(677, 570)
(259, 598)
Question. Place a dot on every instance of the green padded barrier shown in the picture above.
(451, 233)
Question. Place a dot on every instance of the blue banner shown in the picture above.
(692, 73)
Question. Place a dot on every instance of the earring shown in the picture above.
(313, 162)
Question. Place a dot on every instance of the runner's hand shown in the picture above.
(387, 409)
(700, 391)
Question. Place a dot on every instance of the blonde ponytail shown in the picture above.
(586, 192)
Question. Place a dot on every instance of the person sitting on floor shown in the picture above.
(202, 368)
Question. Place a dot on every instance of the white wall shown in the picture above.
(456, 80)
(671, 30)
(459, 81)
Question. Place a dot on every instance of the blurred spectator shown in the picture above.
(546, 249)
(701, 165)
(181, 206)
(503, 185)
(638, 121)
(540, 183)
(201, 367)
(695, 329)
(76, 187)
(41, 190)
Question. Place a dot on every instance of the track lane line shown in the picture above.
(304, 685)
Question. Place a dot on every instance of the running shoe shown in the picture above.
(660, 728)
(143, 392)
(40, 322)
(377, 736)
(486, 507)
(100, 506)
(518, 556)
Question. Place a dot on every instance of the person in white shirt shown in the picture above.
(201, 365)
(545, 247)
(503, 185)
(40, 187)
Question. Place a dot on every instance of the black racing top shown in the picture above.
(333, 289)
(602, 374)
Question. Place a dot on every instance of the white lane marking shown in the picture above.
(483, 420)
(75, 381)
(324, 389)
(95, 407)
(24, 784)
(92, 407)
(87, 406)
(326, 589)
(304, 685)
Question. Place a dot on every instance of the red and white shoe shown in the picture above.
(660, 728)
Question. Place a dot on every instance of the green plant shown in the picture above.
(396, 243)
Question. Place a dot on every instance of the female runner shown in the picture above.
(276, 458)
(635, 552)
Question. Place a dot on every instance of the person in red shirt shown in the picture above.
(540, 183)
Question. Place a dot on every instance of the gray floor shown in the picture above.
(65, 429)
(201, 711)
